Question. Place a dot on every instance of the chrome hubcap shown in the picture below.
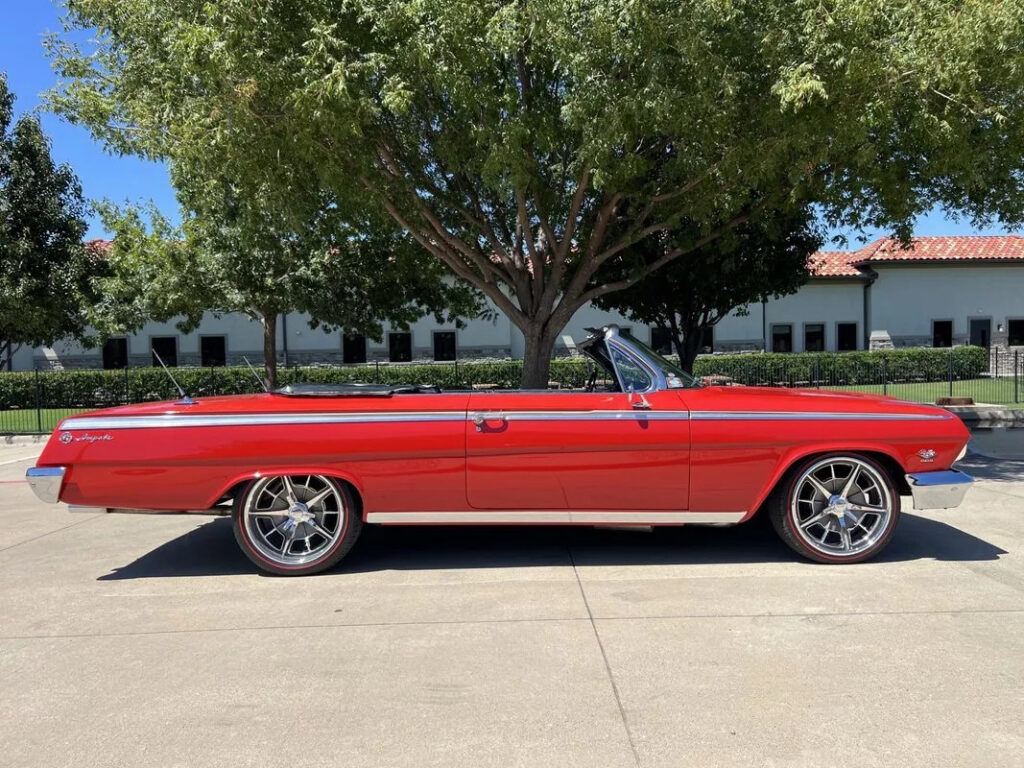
(841, 506)
(294, 520)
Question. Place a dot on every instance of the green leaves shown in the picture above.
(471, 124)
(764, 258)
(45, 269)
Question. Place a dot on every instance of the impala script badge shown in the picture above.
(67, 437)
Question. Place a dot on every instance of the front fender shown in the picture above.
(796, 454)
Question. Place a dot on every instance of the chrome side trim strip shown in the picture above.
(811, 416)
(630, 415)
(285, 419)
(393, 417)
(252, 420)
(561, 516)
(46, 482)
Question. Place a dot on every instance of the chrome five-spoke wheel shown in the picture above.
(295, 524)
(839, 508)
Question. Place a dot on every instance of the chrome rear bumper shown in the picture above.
(46, 482)
(939, 490)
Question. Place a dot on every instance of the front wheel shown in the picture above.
(295, 525)
(836, 509)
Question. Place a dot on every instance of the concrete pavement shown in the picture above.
(151, 641)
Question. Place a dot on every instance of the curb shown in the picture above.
(987, 414)
(23, 439)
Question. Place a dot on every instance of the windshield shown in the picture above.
(675, 376)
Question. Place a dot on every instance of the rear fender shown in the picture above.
(272, 471)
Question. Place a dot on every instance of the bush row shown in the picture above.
(95, 389)
(833, 368)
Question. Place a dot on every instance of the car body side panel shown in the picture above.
(395, 465)
(743, 439)
(577, 450)
(717, 449)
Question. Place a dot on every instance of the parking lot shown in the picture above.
(133, 640)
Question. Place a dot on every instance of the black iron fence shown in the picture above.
(1000, 382)
(33, 402)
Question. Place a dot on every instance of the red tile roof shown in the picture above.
(886, 250)
(98, 247)
(956, 248)
(835, 264)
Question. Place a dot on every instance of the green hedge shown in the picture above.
(96, 389)
(848, 368)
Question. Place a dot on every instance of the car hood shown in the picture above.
(743, 398)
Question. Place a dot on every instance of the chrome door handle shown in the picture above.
(479, 419)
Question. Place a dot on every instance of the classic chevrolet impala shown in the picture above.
(301, 470)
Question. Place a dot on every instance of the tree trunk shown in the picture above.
(537, 359)
(269, 321)
(7, 351)
(691, 348)
(686, 338)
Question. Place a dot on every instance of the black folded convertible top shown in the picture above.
(353, 390)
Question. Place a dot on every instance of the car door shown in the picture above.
(577, 451)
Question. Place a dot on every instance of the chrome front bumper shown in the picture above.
(939, 490)
(46, 482)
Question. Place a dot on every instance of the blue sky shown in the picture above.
(105, 176)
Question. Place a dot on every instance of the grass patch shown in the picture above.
(987, 390)
(28, 421)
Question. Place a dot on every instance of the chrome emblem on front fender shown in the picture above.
(926, 454)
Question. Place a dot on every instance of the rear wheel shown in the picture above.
(836, 509)
(296, 524)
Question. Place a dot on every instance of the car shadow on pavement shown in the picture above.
(211, 550)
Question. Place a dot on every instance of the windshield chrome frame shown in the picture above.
(613, 339)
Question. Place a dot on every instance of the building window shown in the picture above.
(846, 337)
(399, 347)
(444, 345)
(814, 337)
(353, 348)
(942, 333)
(213, 351)
(707, 341)
(661, 340)
(115, 353)
(1015, 333)
(782, 338)
(167, 348)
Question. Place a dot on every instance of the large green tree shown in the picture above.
(527, 144)
(763, 258)
(244, 257)
(44, 266)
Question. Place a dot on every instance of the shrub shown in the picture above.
(100, 389)
(847, 368)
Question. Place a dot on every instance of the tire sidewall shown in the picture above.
(350, 529)
(790, 524)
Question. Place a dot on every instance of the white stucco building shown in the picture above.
(944, 291)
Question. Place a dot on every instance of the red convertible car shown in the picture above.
(302, 470)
